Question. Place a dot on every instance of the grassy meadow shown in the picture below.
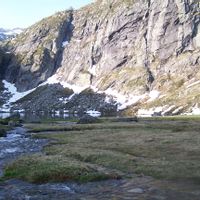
(164, 148)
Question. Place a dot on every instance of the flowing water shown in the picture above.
(17, 143)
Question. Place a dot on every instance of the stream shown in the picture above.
(18, 142)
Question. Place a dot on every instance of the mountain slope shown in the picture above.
(144, 53)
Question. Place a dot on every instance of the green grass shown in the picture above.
(39, 169)
(165, 148)
(4, 121)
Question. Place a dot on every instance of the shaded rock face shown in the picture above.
(4, 60)
(38, 51)
(132, 47)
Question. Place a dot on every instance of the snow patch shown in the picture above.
(19, 110)
(55, 79)
(170, 109)
(65, 43)
(123, 100)
(92, 70)
(93, 113)
(65, 99)
(176, 111)
(15, 95)
(196, 111)
(154, 94)
(108, 100)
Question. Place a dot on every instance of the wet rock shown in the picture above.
(87, 119)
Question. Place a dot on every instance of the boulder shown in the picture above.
(87, 119)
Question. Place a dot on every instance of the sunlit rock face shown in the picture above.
(132, 47)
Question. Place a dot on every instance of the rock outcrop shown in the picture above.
(130, 47)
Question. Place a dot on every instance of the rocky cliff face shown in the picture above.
(129, 48)
(38, 51)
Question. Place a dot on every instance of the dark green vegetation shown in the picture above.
(165, 148)
(3, 127)
(2, 130)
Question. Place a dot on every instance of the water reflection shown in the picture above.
(34, 117)
(38, 116)
(4, 115)
(55, 114)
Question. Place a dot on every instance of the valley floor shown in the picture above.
(154, 158)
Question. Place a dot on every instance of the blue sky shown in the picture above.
(23, 13)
